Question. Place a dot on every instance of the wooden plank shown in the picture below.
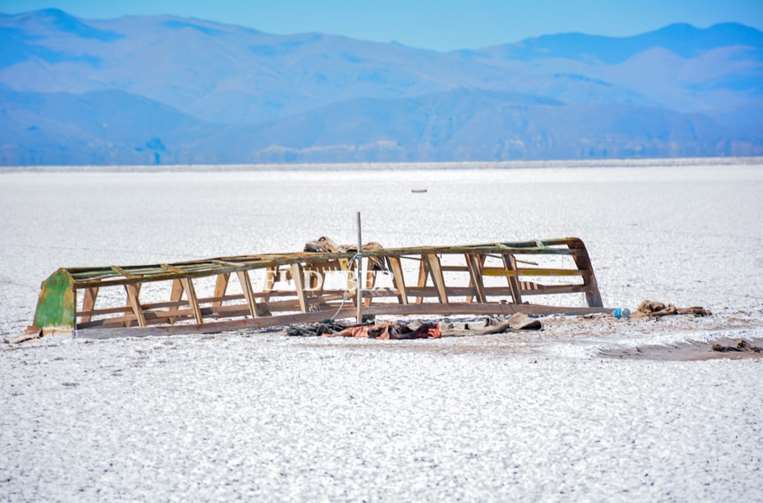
(221, 285)
(421, 282)
(88, 303)
(299, 279)
(433, 264)
(190, 292)
(481, 258)
(496, 291)
(399, 279)
(474, 266)
(453, 291)
(532, 271)
(122, 272)
(583, 263)
(175, 295)
(488, 308)
(509, 262)
(246, 286)
(134, 302)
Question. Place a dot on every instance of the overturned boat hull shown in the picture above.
(256, 291)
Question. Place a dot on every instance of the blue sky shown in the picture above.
(443, 24)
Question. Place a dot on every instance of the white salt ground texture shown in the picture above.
(258, 415)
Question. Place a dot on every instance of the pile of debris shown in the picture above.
(326, 245)
(398, 330)
(383, 331)
(654, 309)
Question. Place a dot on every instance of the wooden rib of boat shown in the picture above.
(482, 279)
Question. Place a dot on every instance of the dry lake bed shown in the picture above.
(550, 415)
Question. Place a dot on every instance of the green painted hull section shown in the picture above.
(56, 306)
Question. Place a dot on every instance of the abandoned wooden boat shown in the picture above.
(252, 291)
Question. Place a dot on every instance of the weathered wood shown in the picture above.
(540, 246)
(509, 262)
(296, 275)
(195, 269)
(317, 298)
(88, 303)
(532, 271)
(398, 279)
(583, 263)
(221, 285)
(474, 266)
(246, 286)
(433, 264)
(175, 295)
(190, 292)
(500, 271)
(134, 302)
(421, 281)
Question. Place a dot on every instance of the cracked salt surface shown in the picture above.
(248, 415)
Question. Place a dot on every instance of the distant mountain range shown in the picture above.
(137, 90)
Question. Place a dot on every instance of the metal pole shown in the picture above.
(358, 287)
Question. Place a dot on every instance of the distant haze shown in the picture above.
(166, 89)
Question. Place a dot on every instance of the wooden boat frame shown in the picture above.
(67, 301)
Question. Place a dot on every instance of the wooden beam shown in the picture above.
(190, 292)
(221, 285)
(246, 286)
(421, 282)
(398, 279)
(510, 263)
(474, 265)
(583, 263)
(88, 303)
(433, 263)
(530, 271)
(134, 302)
(175, 296)
(299, 280)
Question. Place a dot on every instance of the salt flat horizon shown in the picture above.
(259, 415)
(693, 162)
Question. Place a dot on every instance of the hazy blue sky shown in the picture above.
(437, 24)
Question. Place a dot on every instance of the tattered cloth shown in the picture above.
(326, 245)
(650, 308)
(382, 331)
